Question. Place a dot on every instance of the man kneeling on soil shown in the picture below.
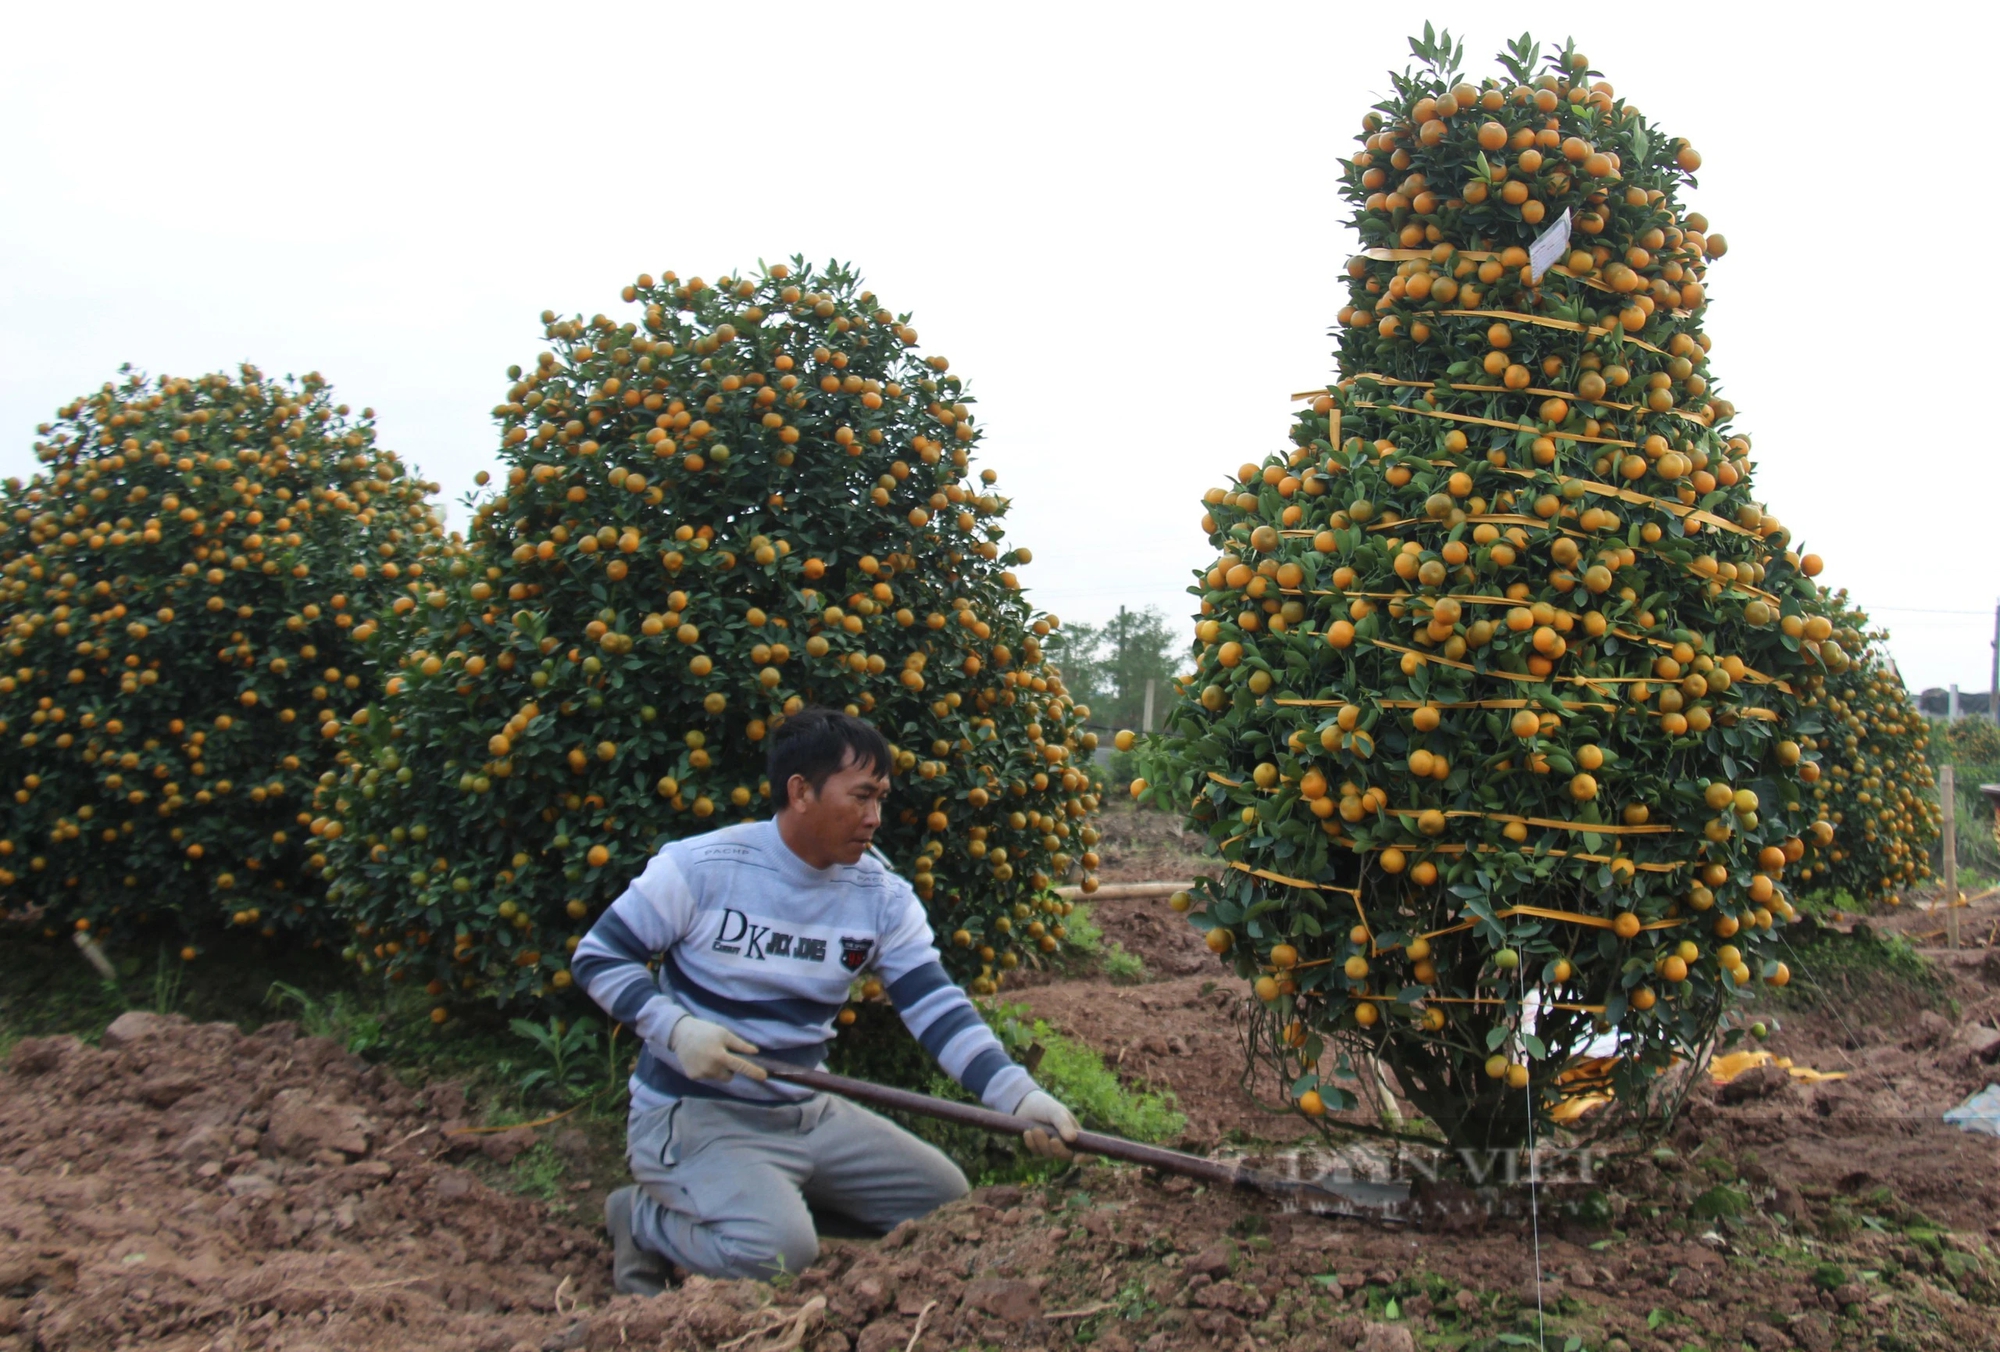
(759, 930)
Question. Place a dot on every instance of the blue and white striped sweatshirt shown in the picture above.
(750, 936)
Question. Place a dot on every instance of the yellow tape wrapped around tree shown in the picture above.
(1499, 666)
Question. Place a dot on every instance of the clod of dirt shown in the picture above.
(1932, 1029)
(1758, 1082)
(702, 1313)
(504, 1147)
(1011, 1300)
(35, 1055)
(1386, 1338)
(1979, 1042)
(1989, 967)
(302, 1124)
(1215, 1262)
(135, 1026)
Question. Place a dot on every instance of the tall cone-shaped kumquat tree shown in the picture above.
(1496, 720)
(1877, 787)
(178, 594)
(751, 497)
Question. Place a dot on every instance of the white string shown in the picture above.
(1826, 1000)
(1534, 1204)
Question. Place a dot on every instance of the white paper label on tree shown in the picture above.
(1549, 247)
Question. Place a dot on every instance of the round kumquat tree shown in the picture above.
(752, 497)
(1878, 788)
(1973, 742)
(1496, 719)
(178, 593)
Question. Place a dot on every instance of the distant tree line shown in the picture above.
(1106, 666)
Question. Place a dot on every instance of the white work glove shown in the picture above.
(704, 1048)
(1061, 1126)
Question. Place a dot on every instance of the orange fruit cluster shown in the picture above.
(752, 496)
(1499, 666)
(1878, 789)
(179, 591)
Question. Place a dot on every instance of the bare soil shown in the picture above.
(188, 1186)
(1143, 846)
(1183, 1036)
(1139, 845)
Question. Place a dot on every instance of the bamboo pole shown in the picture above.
(95, 956)
(1392, 1112)
(1948, 801)
(1123, 891)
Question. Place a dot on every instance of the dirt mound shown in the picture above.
(190, 1186)
(1880, 1130)
(1177, 1036)
(1140, 845)
(1158, 936)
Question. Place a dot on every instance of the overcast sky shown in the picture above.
(1120, 223)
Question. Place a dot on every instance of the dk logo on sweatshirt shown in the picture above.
(740, 935)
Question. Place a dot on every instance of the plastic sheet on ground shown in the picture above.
(1723, 1069)
(1587, 1083)
(1980, 1113)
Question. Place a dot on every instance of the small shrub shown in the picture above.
(1086, 941)
(1123, 967)
(537, 1172)
(338, 1016)
(569, 1057)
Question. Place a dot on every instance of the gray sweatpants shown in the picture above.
(724, 1185)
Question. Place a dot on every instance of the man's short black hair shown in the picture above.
(816, 743)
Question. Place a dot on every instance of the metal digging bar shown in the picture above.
(1344, 1201)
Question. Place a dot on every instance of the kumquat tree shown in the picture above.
(1877, 786)
(179, 591)
(753, 496)
(1499, 704)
